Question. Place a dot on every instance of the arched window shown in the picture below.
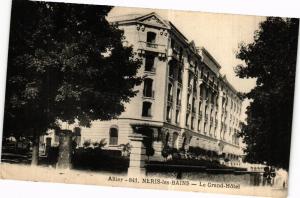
(146, 112)
(174, 141)
(113, 136)
(147, 92)
(184, 141)
(167, 138)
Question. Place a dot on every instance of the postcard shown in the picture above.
(149, 98)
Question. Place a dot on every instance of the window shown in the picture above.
(151, 36)
(175, 138)
(149, 62)
(180, 54)
(113, 136)
(187, 119)
(167, 138)
(193, 105)
(184, 142)
(200, 106)
(177, 116)
(147, 92)
(179, 77)
(146, 112)
(169, 114)
(171, 69)
(199, 125)
(192, 123)
(178, 97)
(170, 95)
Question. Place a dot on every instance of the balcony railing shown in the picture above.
(152, 70)
(194, 110)
(206, 118)
(200, 115)
(178, 102)
(190, 88)
(149, 94)
(189, 107)
(152, 47)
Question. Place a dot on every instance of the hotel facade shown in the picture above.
(183, 101)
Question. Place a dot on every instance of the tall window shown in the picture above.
(180, 53)
(113, 136)
(169, 114)
(188, 99)
(177, 116)
(187, 119)
(200, 106)
(183, 141)
(149, 62)
(172, 69)
(147, 92)
(178, 97)
(192, 123)
(179, 75)
(175, 138)
(199, 125)
(193, 105)
(170, 90)
(167, 138)
(146, 112)
(151, 37)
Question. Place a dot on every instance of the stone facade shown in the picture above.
(183, 101)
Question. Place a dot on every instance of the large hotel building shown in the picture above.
(183, 101)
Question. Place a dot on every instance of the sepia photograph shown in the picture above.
(149, 98)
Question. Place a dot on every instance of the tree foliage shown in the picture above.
(271, 59)
(65, 62)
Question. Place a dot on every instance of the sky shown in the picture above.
(220, 34)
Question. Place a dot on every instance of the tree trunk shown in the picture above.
(35, 150)
(65, 149)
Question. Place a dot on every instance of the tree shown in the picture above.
(65, 63)
(271, 59)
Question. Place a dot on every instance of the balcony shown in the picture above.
(170, 99)
(149, 95)
(189, 107)
(193, 110)
(200, 115)
(151, 71)
(190, 88)
(153, 47)
(206, 118)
